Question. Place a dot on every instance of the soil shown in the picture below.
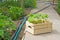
(16, 23)
(27, 11)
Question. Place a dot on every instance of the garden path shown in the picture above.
(55, 34)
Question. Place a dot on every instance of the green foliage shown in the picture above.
(4, 10)
(27, 3)
(6, 27)
(58, 6)
(10, 3)
(30, 3)
(37, 18)
(15, 13)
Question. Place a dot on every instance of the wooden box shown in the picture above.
(39, 28)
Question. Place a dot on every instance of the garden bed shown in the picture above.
(14, 12)
(38, 23)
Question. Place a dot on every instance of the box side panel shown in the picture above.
(43, 30)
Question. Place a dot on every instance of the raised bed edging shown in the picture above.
(39, 28)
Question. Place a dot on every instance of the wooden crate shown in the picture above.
(39, 28)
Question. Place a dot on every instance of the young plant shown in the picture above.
(6, 27)
(15, 13)
(37, 18)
